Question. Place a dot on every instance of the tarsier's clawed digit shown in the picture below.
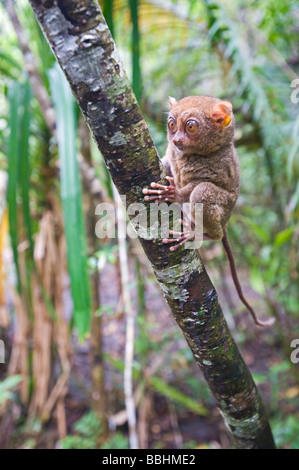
(202, 167)
(161, 193)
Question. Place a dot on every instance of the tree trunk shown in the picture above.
(82, 43)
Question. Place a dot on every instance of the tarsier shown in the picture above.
(202, 166)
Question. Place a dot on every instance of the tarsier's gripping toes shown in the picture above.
(202, 166)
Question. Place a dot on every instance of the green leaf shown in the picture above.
(136, 76)
(7, 386)
(9, 59)
(108, 14)
(284, 236)
(173, 394)
(10, 382)
(104, 309)
(276, 369)
(294, 149)
(164, 389)
(13, 155)
(259, 378)
(24, 162)
(261, 233)
(70, 189)
(257, 280)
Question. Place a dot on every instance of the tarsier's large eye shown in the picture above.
(192, 127)
(172, 125)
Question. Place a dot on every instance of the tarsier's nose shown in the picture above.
(178, 141)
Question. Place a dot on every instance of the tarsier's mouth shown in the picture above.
(179, 145)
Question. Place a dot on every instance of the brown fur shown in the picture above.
(205, 166)
(202, 166)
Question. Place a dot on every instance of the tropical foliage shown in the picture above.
(62, 303)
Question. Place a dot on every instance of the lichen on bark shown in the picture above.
(85, 50)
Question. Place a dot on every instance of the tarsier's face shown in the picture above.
(200, 124)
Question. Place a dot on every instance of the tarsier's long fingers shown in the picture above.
(185, 230)
(152, 191)
(158, 185)
(168, 188)
(174, 232)
(171, 180)
(171, 240)
(186, 222)
(160, 198)
(160, 192)
(179, 236)
(183, 239)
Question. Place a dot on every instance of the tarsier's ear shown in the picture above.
(172, 101)
(222, 113)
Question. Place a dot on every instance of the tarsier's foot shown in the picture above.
(161, 193)
(186, 235)
(181, 237)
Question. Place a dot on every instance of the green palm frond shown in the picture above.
(70, 189)
(224, 34)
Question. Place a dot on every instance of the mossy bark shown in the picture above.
(82, 43)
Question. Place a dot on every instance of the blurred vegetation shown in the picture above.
(57, 278)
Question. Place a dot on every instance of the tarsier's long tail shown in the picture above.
(233, 269)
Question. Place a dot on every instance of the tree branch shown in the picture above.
(82, 43)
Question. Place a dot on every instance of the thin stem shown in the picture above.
(130, 322)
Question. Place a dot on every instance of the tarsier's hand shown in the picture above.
(162, 193)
